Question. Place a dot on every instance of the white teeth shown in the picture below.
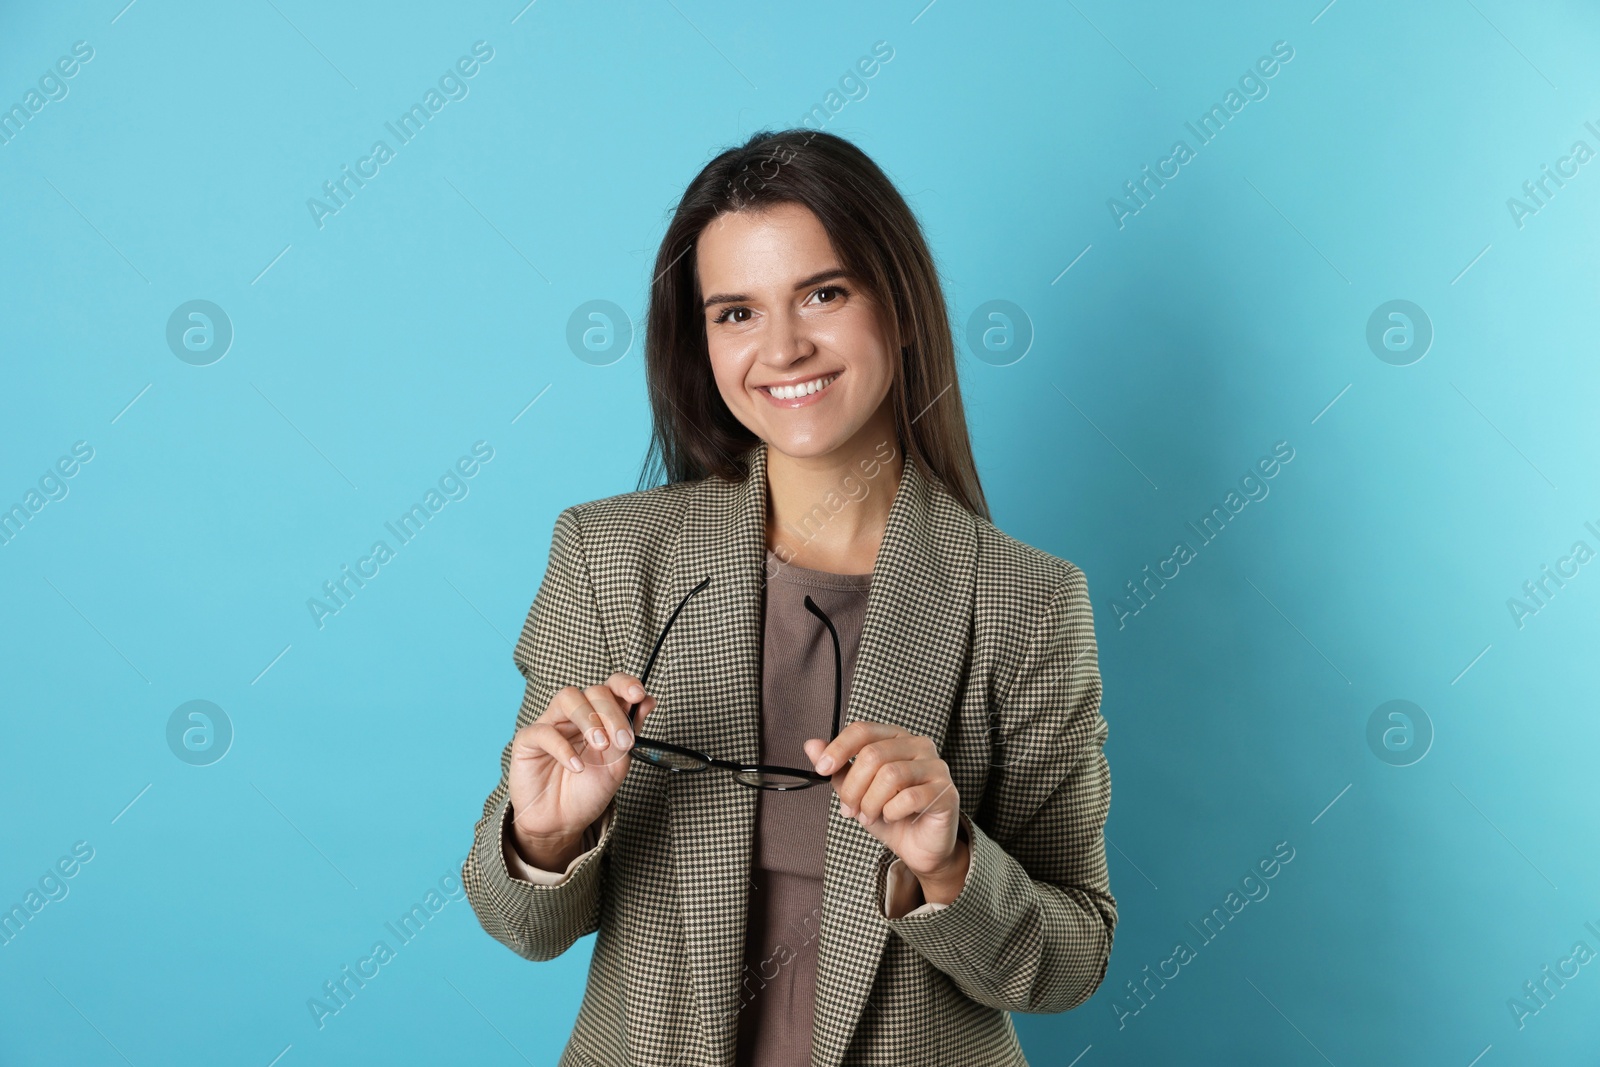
(794, 392)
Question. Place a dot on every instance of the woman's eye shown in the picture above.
(830, 294)
(737, 314)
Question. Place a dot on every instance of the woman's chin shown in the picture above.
(808, 447)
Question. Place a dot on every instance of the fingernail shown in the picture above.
(825, 765)
(576, 764)
(846, 810)
(624, 739)
(636, 692)
(597, 737)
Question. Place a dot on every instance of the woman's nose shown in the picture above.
(786, 342)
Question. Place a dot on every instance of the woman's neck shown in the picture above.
(828, 513)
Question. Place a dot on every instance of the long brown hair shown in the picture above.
(880, 243)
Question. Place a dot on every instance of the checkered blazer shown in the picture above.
(971, 638)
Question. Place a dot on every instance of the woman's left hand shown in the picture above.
(900, 791)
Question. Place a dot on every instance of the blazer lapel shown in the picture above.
(911, 662)
(711, 670)
(909, 669)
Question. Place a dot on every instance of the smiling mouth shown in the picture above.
(799, 389)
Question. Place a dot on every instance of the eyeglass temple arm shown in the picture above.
(838, 662)
(649, 664)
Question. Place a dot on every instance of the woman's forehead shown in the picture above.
(776, 245)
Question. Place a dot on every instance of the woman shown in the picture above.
(769, 888)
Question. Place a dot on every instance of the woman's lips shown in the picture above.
(801, 393)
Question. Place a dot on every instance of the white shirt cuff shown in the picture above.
(903, 894)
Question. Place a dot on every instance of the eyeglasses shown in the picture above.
(679, 760)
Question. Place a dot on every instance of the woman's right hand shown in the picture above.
(567, 764)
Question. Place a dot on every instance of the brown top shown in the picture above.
(785, 903)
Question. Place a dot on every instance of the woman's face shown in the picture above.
(797, 347)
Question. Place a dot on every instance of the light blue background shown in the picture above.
(426, 315)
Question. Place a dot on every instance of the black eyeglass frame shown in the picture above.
(700, 761)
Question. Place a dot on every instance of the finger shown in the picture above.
(645, 709)
(572, 705)
(850, 741)
(891, 779)
(919, 800)
(615, 729)
(851, 784)
(629, 690)
(543, 739)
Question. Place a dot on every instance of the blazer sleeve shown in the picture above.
(1032, 926)
(562, 643)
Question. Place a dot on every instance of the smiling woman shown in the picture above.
(803, 363)
(783, 244)
(797, 338)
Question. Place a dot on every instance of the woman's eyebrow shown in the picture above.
(804, 283)
(821, 276)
